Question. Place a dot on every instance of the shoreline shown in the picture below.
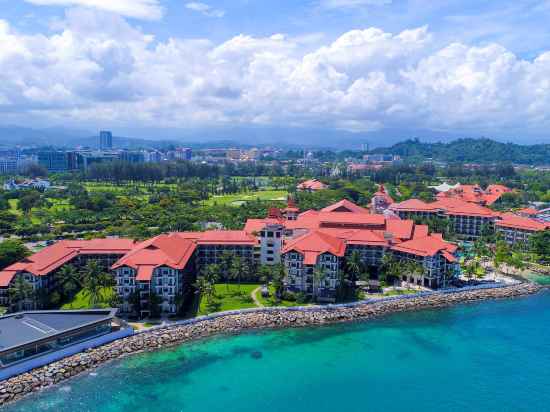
(17, 387)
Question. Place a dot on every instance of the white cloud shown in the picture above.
(140, 9)
(98, 68)
(205, 9)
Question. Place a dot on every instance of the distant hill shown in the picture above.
(471, 150)
(69, 138)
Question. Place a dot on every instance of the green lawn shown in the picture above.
(14, 208)
(240, 198)
(229, 298)
(82, 301)
(270, 301)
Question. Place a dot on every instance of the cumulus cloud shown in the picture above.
(205, 9)
(140, 9)
(99, 68)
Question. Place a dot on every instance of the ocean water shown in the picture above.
(490, 356)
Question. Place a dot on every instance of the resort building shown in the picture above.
(518, 229)
(154, 276)
(468, 219)
(435, 256)
(313, 263)
(161, 267)
(315, 246)
(475, 194)
(40, 269)
(311, 185)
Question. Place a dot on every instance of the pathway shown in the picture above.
(255, 298)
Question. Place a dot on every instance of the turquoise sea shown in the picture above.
(490, 356)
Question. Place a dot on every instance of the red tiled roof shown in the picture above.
(171, 250)
(453, 206)
(227, 237)
(145, 273)
(426, 246)
(414, 205)
(312, 184)
(315, 243)
(350, 219)
(512, 221)
(53, 257)
(529, 211)
(345, 206)
(421, 231)
(400, 229)
(474, 193)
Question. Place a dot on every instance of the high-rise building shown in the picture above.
(54, 161)
(105, 140)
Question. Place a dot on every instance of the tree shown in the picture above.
(211, 273)
(515, 260)
(265, 273)
(20, 291)
(411, 267)
(70, 280)
(502, 251)
(12, 251)
(236, 270)
(205, 288)
(539, 244)
(94, 281)
(354, 266)
(29, 200)
(277, 279)
(391, 268)
(135, 300)
(319, 278)
(225, 266)
(154, 304)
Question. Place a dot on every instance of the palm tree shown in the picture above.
(412, 267)
(20, 291)
(469, 269)
(70, 280)
(265, 274)
(354, 266)
(211, 273)
(278, 275)
(225, 267)
(319, 276)
(236, 271)
(94, 281)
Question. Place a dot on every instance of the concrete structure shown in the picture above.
(467, 218)
(40, 270)
(518, 229)
(154, 276)
(26, 335)
(105, 140)
(57, 161)
(318, 243)
(39, 184)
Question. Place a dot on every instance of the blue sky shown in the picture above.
(481, 67)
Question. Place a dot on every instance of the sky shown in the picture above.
(467, 67)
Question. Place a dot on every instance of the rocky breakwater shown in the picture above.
(37, 379)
